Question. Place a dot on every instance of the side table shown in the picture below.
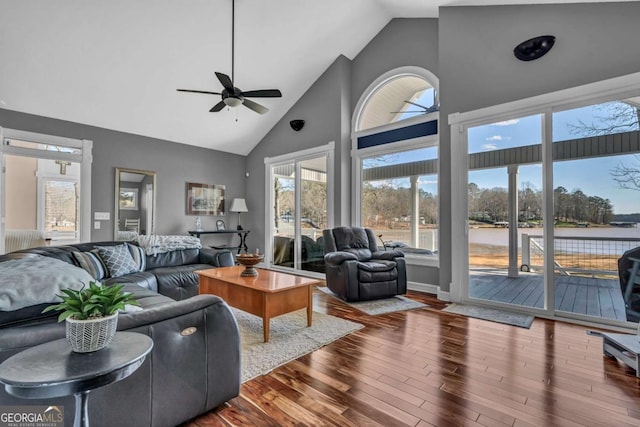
(241, 233)
(52, 370)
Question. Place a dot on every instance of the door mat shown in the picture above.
(492, 315)
(380, 306)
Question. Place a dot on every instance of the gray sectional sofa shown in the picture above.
(184, 376)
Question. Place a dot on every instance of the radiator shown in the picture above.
(16, 240)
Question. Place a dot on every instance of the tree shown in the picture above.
(620, 116)
(616, 117)
(627, 176)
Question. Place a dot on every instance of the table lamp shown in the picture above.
(239, 205)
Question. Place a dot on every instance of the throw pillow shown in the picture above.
(138, 256)
(118, 260)
(92, 263)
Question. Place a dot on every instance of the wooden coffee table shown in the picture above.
(269, 295)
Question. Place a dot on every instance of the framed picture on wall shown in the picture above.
(205, 199)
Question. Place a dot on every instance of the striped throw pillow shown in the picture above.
(139, 256)
(92, 263)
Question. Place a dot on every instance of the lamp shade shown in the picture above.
(238, 205)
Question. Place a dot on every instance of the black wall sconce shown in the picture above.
(296, 124)
(534, 48)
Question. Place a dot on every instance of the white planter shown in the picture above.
(90, 335)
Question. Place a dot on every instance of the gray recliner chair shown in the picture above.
(357, 270)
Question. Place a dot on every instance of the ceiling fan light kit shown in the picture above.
(231, 95)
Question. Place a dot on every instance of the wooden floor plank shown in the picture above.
(598, 297)
(426, 367)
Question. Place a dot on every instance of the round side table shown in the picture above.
(53, 370)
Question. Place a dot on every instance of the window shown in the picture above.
(46, 185)
(395, 142)
(300, 206)
(400, 199)
(398, 98)
(129, 199)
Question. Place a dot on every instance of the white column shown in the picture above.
(415, 211)
(513, 220)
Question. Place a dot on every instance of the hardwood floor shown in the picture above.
(426, 367)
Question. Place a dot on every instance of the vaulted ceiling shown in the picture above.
(116, 64)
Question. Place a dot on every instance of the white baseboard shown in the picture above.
(423, 287)
(443, 295)
(429, 289)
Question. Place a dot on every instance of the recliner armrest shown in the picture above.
(337, 258)
(387, 255)
(217, 257)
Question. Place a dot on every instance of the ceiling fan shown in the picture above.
(231, 95)
(425, 109)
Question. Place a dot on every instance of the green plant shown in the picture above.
(92, 302)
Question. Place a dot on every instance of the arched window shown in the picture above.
(400, 96)
(395, 146)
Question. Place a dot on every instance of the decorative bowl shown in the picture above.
(249, 260)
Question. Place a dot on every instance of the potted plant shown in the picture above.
(91, 314)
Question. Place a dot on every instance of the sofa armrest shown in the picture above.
(387, 255)
(217, 257)
(337, 258)
(160, 312)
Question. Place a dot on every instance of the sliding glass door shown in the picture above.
(299, 211)
(504, 207)
(551, 205)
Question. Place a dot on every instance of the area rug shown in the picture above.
(380, 306)
(289, 338)
(491, 314)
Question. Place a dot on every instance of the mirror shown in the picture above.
(135, 203)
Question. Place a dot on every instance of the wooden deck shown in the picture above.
(576, 294)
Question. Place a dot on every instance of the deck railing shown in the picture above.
(584, 255)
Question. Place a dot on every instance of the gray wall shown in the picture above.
(478, 69)
(175, 164)
(401, 43)
(327, 108)
(320, 107)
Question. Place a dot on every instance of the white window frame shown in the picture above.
(357, 155)
(546, 104)
(85, 158)
(41, 205)
(327, 150)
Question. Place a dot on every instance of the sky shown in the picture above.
(592, 176)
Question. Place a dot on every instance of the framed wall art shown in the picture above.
(205, 199)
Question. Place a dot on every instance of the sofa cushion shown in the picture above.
(92, 263)
(178, 282)
(118, 260)
(142, 279)
(173, 258)
(138, 255)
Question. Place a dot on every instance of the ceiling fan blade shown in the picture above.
(219, 106)
(418, 105)
(226, 81)
(264, 93)
(397, 112)
(199, 91)
(260, 109)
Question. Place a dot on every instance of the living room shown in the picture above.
(469, 50)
